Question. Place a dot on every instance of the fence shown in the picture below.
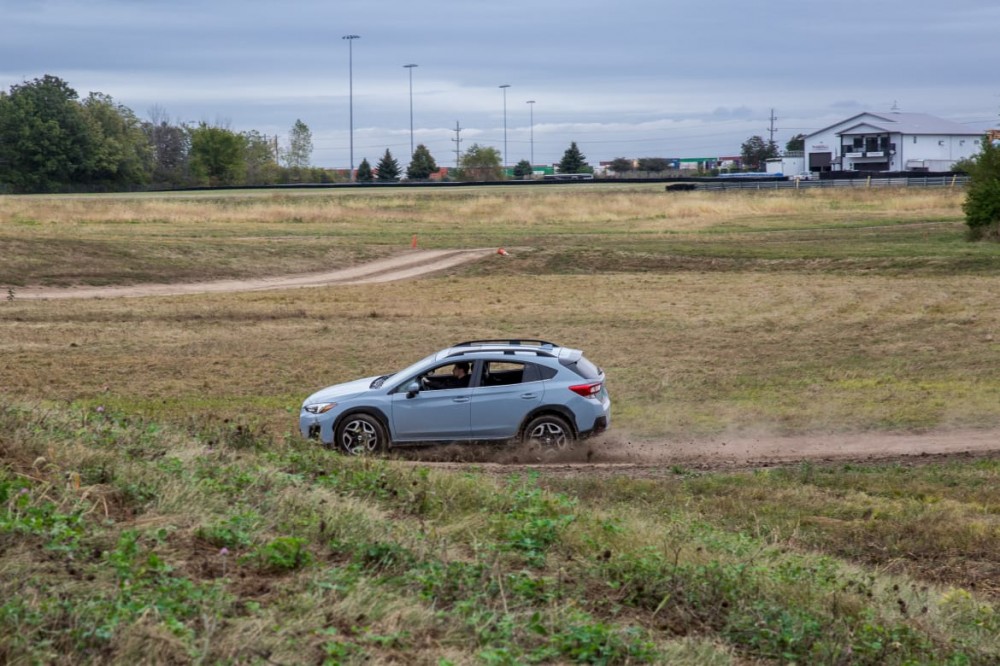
(931, 181)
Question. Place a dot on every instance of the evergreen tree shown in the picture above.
(982, 198)
(365, 174)
(422, 164)
(573, 161)
(388, 168)
(523, 169)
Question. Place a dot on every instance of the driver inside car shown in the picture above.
(459, 378)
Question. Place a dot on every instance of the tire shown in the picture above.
(361, 435)
(549, 432)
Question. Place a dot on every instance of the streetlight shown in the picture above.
(350, 77)
(504, 89)
(410, 67)
(531, 107)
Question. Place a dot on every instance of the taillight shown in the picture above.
(587, 390)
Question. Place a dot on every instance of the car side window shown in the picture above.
(448, 376)
(505, 373)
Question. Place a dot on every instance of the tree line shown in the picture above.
(51, 140)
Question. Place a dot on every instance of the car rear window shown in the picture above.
(584, 368)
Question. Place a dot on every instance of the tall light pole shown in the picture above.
(410, 67)
(531, 107)
(504, 89)
(350, 78)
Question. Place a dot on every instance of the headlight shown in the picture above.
(319, 407)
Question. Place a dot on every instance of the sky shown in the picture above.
(621, 78)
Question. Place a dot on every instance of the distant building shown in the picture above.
(890, 142)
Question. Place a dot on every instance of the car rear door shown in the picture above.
(507, 391)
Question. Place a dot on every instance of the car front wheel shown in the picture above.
(549, 432)
(361, 434)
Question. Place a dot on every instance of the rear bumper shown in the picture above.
(600, 425)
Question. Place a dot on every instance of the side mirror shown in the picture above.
(413, 389)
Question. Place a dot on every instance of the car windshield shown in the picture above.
(406, 372)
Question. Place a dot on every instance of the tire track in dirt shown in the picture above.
(615, 455)
(412, 264)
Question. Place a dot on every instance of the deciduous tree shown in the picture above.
(260, 160)
(217, 155)
(622, 165)
(120, 156)
(170, 145)
(755, 151)
(796, 144)
(45, 140)
(300, 146)
(480, 163)
(654, 164)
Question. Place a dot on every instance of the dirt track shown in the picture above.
(614, 454)
(415, 263)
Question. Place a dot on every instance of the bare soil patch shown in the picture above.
(412, 264)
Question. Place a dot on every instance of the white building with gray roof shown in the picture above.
(891, 142)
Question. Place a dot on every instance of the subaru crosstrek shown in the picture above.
(475, 391)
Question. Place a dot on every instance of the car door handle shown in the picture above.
(529, 396)
(460, 400)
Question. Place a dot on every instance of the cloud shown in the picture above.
(643, 76)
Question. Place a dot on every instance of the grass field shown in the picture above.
(155, 499)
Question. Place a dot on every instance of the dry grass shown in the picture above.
(128, 238)
(686, 354)
(774, 311)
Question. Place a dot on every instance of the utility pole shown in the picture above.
(350, 78)
(771, 129)
(458, 145)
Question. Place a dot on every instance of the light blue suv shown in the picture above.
(480, 390)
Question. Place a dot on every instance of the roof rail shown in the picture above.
(518, 342)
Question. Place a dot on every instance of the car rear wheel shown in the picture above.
(550, 432)
(362, 434)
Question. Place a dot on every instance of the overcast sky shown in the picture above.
(622, 78)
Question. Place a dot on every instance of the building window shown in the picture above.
(914, 139)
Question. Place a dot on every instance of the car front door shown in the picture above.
(438, 412)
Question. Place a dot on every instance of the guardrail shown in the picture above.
(932, 181)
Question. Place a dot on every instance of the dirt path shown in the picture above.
(617, 456)
(412, 264)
